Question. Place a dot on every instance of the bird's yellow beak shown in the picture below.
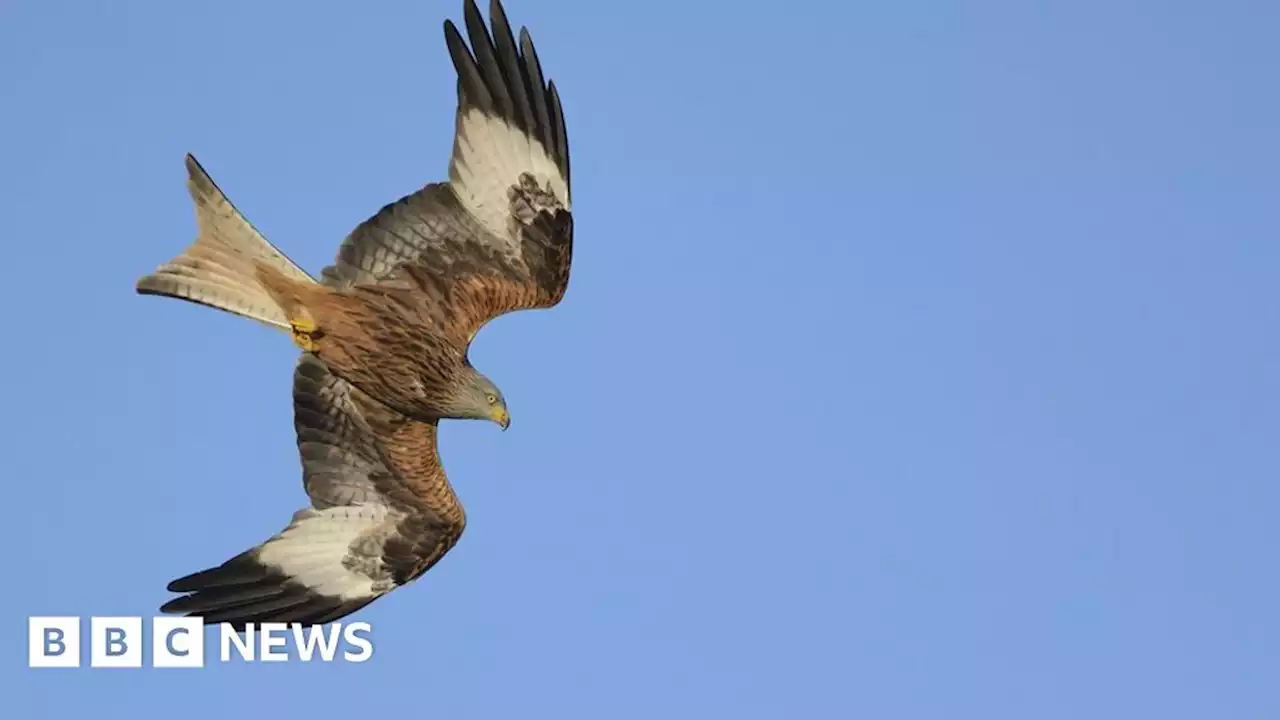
(502, 417)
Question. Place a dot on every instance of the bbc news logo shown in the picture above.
(178, 642)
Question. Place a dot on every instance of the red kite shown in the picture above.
(385, 333)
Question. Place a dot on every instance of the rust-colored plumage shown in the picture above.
(385, 332)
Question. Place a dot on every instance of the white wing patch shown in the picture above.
(313, 551)
(489, 157)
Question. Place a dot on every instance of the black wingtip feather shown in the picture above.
(499, 77)
(242, 591)
(561, 151)
(242, 569)
(513, 70)
(486, 59)
(471, 86)
(533, 77)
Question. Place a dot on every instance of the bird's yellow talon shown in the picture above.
(305, 333)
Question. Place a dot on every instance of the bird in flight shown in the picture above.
(385, 332)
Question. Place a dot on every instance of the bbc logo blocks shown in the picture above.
(53, 642)
(115, 642)
(177, 642)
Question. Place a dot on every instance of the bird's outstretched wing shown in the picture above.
(382, 513)
(498, 235)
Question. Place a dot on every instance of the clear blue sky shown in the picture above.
(920, 358)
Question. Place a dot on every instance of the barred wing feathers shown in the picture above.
(498, 236)
(381, 514)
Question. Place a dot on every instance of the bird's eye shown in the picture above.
(492, 399)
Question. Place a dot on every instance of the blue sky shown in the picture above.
(919, 359)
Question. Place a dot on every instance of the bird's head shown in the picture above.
(480, 399)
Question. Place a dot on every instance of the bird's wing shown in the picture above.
(382, 513)
(498, 235)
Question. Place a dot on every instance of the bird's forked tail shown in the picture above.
(230, 266)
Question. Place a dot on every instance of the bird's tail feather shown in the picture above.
(225, 267)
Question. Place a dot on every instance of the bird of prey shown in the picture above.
(384, 334)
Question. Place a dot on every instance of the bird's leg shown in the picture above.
(305, 330)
